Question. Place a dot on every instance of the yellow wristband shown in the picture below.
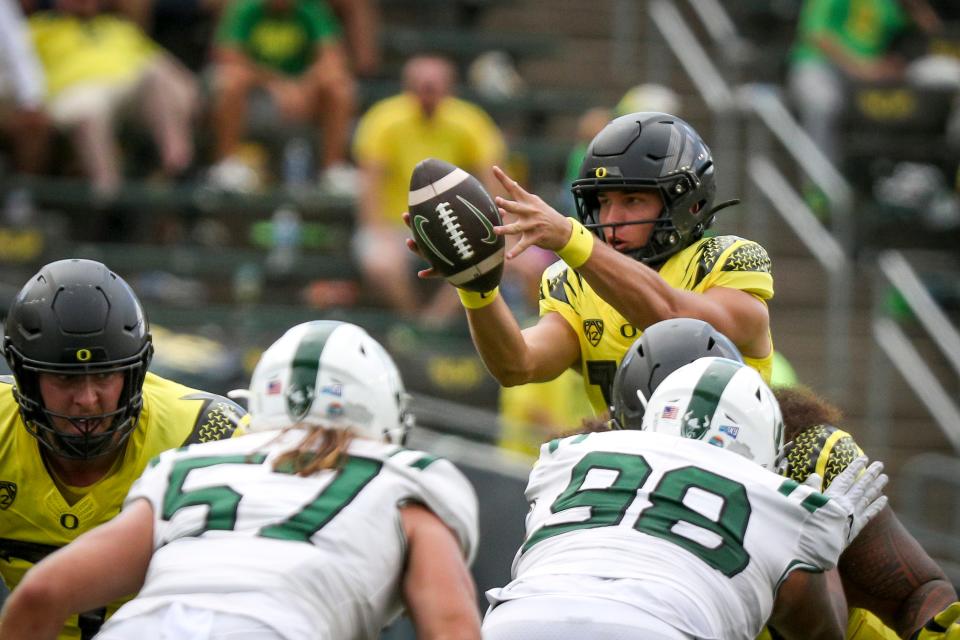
(578, 247)
(477, 300)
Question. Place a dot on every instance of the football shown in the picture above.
(452, 217)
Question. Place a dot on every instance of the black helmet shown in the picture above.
(651, 151)
(662, 349)
(77, 317)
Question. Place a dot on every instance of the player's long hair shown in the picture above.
(320, 449)
(802, 408)
(589, 424)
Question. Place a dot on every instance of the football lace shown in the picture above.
(452, 226)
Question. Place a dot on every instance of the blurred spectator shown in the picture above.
(22, 116)
(290, 49)
(22, 90)
(840, 42)
(100, 67)
(392, 137)
(361, 26)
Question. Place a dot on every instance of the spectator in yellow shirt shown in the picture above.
(396, 133)
(100, 66)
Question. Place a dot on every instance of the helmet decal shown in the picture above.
(306, 364)
(706, 397)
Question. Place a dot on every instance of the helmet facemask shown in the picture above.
(88, 443)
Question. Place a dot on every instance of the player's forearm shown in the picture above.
(810, 606)
(886, 571)
(29, 614)
(924, 603)
(632, 288)
(500, 343)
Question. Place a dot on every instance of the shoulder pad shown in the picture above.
(823, 449)
(217, 419)
(747, 256)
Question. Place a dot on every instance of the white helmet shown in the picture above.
(722, 402)
(329, 374)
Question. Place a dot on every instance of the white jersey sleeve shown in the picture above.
(821, 537)
(442, 488)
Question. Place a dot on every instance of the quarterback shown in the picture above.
(646, 192)
(317, 524)
(664, 533)
(81, 417)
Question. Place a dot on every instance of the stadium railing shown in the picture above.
(892, 346)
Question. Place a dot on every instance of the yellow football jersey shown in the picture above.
(35, 519)
(605, 335)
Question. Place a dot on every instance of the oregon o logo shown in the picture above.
(600, 172)
(83, 355)
(69, 521)
(628, 331)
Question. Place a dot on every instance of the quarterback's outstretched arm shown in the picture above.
(536, 354)
(100, 566)
(514, 356)
(637, 291)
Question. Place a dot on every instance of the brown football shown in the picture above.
(453, 216)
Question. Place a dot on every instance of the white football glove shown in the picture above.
(859, 494)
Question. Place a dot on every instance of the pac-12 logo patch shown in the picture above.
(8, 493)
(593, 330)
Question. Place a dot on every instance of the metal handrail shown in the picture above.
(692, 57)
(769, 107)
(768, 179)
(908, 361)
(894, 269)
(795, 212)
(901, 275)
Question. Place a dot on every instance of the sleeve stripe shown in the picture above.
(814, 501)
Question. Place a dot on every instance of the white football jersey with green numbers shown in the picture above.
(695, 535)
(316, 557)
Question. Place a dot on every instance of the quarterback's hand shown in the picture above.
(943, 626)
(412, 246)
(860, 493)
(537, 223)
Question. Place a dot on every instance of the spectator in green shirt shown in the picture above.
(293, 50)
(840, 42)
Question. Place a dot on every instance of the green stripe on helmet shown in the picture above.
(306, 367)
(706, 397)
